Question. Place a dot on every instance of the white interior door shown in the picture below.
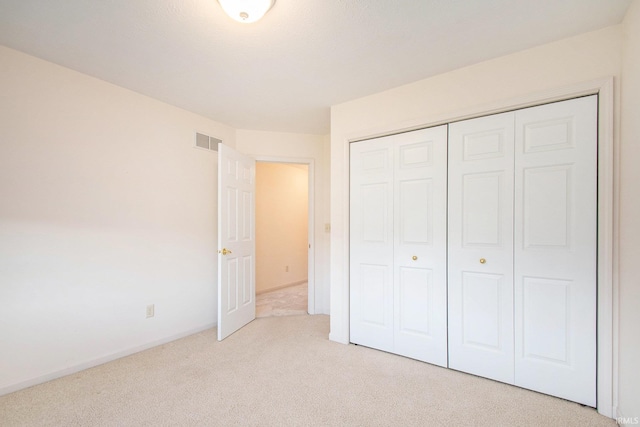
(236, 241)
(420, 242)
(398, 244)
(481, 246)
(555, 249)
(371, 244)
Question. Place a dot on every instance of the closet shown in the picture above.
(398, 238)
(519, 248)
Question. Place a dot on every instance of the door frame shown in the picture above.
(607, 305)
(311, 300)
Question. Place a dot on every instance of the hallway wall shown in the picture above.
(282, 204)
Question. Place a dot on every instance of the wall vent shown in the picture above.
(207, 142)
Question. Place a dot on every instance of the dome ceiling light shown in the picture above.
(246, 11)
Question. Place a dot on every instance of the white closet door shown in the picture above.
(555, 249)
(371, 244)
(420, 239)
(398, 244)
(481, 246)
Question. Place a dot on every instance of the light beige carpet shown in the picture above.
(281, 371)
(287, 301)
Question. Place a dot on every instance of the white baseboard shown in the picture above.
(338, 339)
(276, 288)
(99, 361)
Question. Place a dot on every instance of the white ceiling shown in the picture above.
(284, 72)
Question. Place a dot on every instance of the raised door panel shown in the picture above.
(231, 282)
(420, 281)
(415, 289)
(547, 217)
(555, 249)
(373, 292)
(546, 310)
(416, 204)
(246, 234)
(371, 244)
(482, 311)
(231, 278)
(480, 246)
(482, 209)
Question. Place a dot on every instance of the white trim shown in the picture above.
(311, 299)
(607, 286)
(100, 360)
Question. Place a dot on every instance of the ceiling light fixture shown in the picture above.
(246, 11)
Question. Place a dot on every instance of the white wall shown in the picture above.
(105, 207)
(470, 90)
(282, 231)
(296, 147)
(629, 249)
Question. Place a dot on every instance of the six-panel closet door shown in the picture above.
(555, 282)
(398, 244)
(522, 248)
(481, 246)
(498, 275)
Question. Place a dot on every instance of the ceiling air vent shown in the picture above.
(207, 142)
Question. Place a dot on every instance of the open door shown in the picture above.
(236, 241)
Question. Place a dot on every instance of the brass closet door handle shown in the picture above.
(415, 258)
(482, 260)
(224, 251)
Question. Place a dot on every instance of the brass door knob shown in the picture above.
(482, 260)
(224, 251)
(415, 258)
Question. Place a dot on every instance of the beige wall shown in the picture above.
(313, 150)
(629, 249)
(282, 205)
(105, 207)
(478, 88)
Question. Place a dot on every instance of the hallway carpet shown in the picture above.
(283, 302)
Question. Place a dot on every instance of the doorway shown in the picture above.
(283, 237)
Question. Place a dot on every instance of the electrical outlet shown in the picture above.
(286, 268)
(150, 310)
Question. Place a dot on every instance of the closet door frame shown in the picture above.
(607, 328)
